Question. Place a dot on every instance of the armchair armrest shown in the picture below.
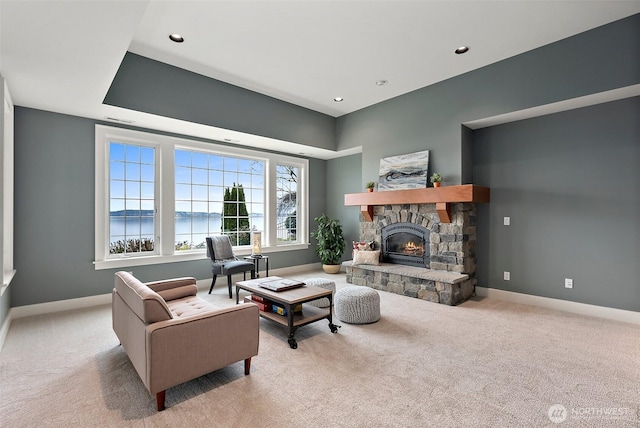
(184, 348)
(176, 288)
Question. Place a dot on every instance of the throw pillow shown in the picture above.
(371, 257)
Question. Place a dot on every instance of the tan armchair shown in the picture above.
(172, 336)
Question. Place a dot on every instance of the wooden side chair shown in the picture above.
(224, 262)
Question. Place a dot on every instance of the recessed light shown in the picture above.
(462, 49)
(338, 99)
(382, 82)
(176, 38)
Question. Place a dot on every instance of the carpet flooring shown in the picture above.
(485, 363)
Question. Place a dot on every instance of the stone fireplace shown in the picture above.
(425, 258)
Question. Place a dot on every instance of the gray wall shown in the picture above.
(153, 87)
(571, 184)
(54, 154)
(604, 269)
(343, 176)
(54, 214)
(602, 59)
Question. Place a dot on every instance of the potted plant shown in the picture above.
(330, 243)
(436, 179)
(370, 185)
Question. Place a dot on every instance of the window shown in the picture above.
(217, 194)
(287, 205)
(159, 197)
(131, 198)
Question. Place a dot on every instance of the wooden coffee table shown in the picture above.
(288, 299)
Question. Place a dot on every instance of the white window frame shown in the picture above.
(7, 186)
(164, 251)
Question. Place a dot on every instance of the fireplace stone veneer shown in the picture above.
(452, 254)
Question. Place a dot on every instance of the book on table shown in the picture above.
(275, 283)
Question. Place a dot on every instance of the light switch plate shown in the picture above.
(507, 221)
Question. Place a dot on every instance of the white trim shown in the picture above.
(560, 106)
(7, 184)
(8, 277)
(60, 306)
(561, 305)
(186, 257)
(104, 299)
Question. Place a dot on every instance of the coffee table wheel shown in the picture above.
(334, 328)
(293, 343)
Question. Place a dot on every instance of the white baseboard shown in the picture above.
(561, 305)
(50, 307)
(60, 305)
(103, 299)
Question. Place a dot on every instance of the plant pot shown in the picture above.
(331, 268)
(436, 184)
(370, 189)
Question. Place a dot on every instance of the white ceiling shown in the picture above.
(62, 55)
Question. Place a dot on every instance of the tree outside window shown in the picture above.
(287, 203)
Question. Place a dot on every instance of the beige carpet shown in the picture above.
(486, 363)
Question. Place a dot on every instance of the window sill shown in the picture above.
(123, 262)
(6, 281)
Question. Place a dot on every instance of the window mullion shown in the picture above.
(271, 199)
(165, 194)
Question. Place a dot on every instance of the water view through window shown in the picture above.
(159, 196)
(131, 198)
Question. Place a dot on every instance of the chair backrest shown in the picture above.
(219, 248)
(148, 305)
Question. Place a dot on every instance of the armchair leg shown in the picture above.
(160, 400)
(229, 285)
(247, 366)
(213, 283)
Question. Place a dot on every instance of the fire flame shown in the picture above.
(412, 247)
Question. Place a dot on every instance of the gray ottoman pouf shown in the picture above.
(327, 284)
(357, 305)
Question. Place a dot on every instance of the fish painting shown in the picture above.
(408, 171)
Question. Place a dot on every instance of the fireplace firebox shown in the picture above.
(406, 243)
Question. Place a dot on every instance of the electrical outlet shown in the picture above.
(568, 283)
(507, 221)
(507, 276)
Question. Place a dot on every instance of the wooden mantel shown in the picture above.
(443, 197)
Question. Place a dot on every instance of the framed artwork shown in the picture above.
(408, 171)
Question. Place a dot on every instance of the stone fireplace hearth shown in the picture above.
(443, 271)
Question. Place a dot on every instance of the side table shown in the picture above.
(256, 263)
